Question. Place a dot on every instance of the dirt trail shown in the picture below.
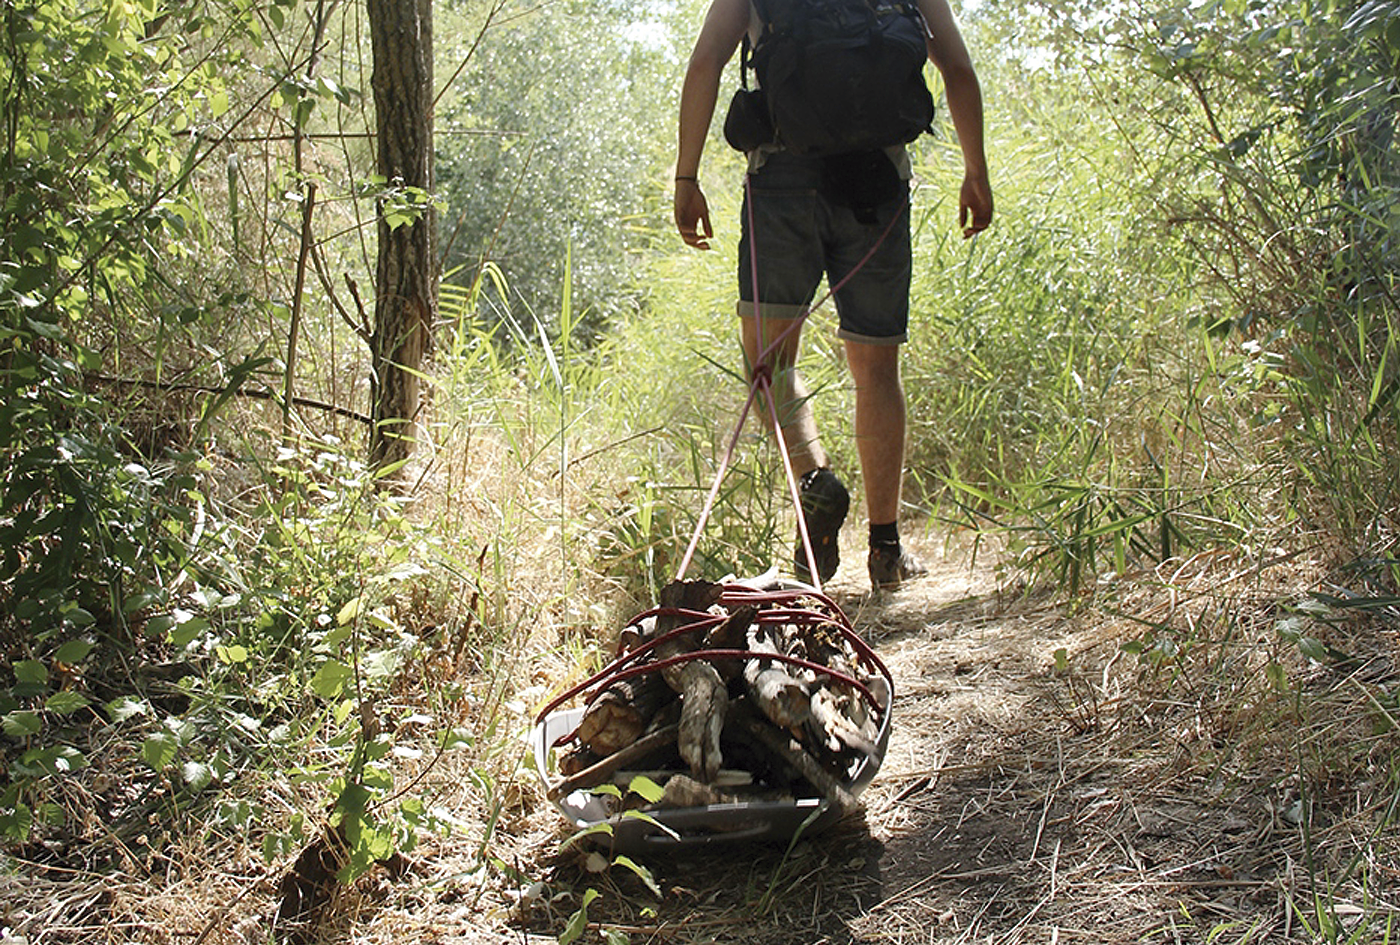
(1014, 804)
(974, 828)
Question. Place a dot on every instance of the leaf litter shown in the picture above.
(1059, 771)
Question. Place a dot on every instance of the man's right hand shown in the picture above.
(692, 215)
(975, 205)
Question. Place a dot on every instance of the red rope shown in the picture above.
(620, 667)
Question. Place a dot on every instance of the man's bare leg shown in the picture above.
(789, 392)
(880, 417)
(879, 426)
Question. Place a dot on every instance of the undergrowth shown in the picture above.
(1172, 359)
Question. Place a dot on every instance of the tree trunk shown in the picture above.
(406, 275)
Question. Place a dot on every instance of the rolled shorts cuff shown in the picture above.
(784, 310)
(888, 341)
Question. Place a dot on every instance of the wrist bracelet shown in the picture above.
(691, 179)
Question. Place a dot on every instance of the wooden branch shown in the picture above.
(294, 329)
(828, 716)
(802, 762)
(704, 696)
(319, 264)
(365, 331)
(256, 394)
(600, 772)
(619, 716)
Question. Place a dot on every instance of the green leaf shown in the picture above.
(55, 760)
(187, 628)
(73, 652)
(31, 671)
(141, 601)
(330, 679)
(589, 831)
(349, 612)
(370, 841)
(646, 818)
(235, 653)
(352, 800)
(647, 789)
(642, 872)
(126, 707)
(16, 824)
(66, 702)
(342, 711)
(1312, 648)
(158, 751)
(579, 920)
(381, 664)
(21, 724)
(377, 779)
(78, 617)
(197, 774)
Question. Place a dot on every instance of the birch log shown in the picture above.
(704, 697)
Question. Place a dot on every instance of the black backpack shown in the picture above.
(835, 77)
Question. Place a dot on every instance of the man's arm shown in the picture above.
(724, 27)
(949, 54)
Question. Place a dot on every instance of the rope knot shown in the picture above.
(762, 375)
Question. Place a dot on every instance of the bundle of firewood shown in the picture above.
(729, 693)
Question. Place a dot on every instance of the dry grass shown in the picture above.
(1028, 795)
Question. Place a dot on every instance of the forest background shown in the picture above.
(220, 619)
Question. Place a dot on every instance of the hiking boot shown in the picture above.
(825, 503)
(890, 566)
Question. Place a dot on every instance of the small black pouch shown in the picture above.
(748, 123)
(862, 181)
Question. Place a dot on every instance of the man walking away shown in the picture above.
(821, 214)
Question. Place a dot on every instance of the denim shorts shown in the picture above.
(800, 235)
